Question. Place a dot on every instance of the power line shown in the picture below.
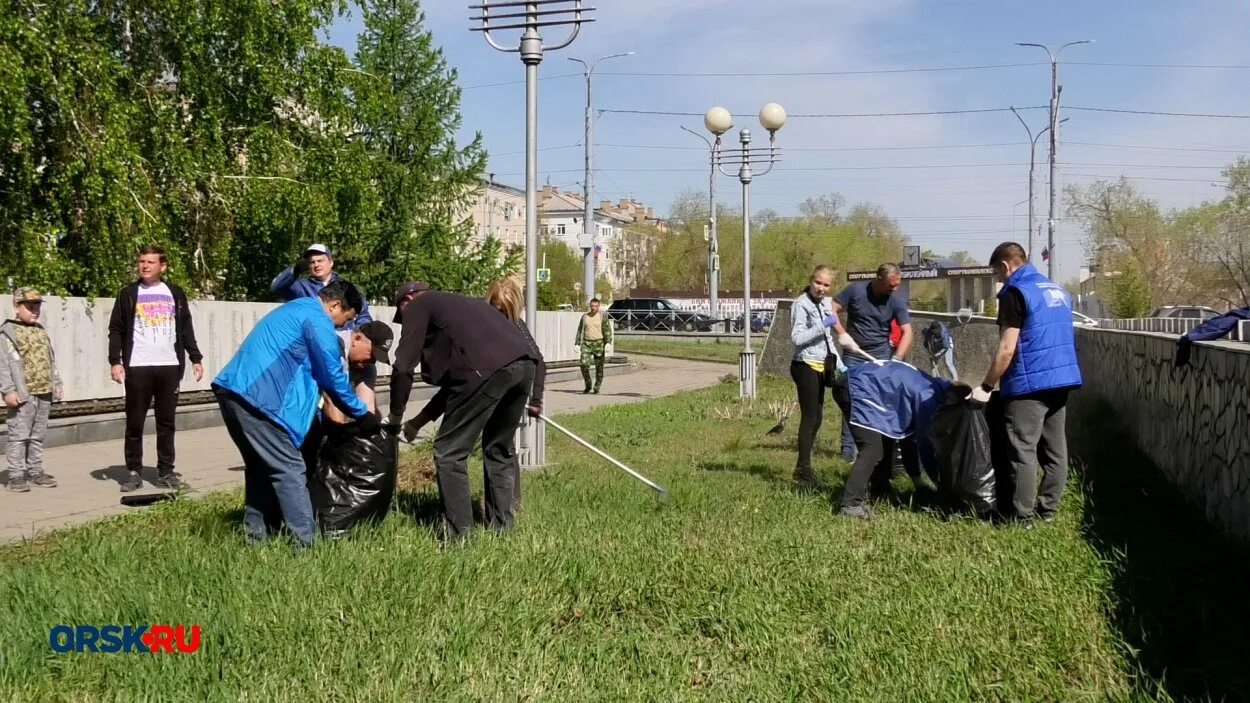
(545, 148)
(502, 83)
(815, 148)
(1157, 112)
(921, 147)
(1152, 65)
(1239, 150)
(945, 112)
(835, 114)
(802, 74)
(1144, 178)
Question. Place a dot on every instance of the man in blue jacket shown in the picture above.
(888, 404)
(1036, 367)
(313, 271)
(268, 395)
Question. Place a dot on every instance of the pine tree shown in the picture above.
(408, 109)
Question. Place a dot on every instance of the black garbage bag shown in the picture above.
(962, 442)
(355, 478)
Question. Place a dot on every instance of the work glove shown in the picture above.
(979, 395)
(301, 267)
(831, 320)
(577, 349)
(534, 410)
(849, 346)
(368, 424)
(412, 428)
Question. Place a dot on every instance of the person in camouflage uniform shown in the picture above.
(594, 334)
(29, 383)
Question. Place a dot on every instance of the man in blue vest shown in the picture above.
(1036, 367)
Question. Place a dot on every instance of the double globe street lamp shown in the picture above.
(718, 121)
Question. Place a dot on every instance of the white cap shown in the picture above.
(317, 249)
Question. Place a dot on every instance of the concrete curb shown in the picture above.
(107, 426)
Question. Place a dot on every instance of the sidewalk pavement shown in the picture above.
(89, 475)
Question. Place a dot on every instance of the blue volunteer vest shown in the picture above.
(1046, 355)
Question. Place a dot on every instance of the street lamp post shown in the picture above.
(713, 245)
(588, 222)
(1054, 141)
(718, 121)
(498, 16)
(1032, 162)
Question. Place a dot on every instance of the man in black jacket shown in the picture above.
(150, 336)
(485, 369)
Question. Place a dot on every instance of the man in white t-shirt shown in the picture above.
(150, 336)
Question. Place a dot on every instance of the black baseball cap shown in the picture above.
(403, 291)
(381, 335)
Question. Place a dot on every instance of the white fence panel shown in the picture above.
(79, 331)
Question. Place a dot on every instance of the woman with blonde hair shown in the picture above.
(811, 318)
(505, 296)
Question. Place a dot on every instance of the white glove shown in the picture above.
(979, 395)
(850, 347)
(577, 349)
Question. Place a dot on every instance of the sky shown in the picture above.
(952, 181)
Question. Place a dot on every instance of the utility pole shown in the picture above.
(588, 218)
(1032, 163)
(713, 246)
(1054, 142)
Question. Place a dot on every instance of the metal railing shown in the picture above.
(687, 321)
(1170, 325)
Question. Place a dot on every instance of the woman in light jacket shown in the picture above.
(811, 318)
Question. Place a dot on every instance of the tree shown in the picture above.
(407, 108)
(566, 270)
(1130, 293)
(823, 208)
(228, 132)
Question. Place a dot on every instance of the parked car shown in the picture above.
(1192, 312)
(760, 322)
(657, 314)
(1079, 320)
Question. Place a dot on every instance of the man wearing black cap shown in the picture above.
(485, 369)
(363, 349)
(309, 275)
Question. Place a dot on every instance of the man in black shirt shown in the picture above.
(485, 369)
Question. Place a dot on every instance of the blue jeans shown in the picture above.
(852, 360)
(275, 480)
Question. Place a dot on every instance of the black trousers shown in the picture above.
(147, 386)
(811, 392)
(493, 412)
(874, 464)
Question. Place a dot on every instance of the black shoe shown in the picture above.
(170, 480)
(133, 482)
(596, 391)
(1046, 517)
(586, 390)
(43, 481)
(806, 478)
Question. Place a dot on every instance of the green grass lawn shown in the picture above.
(736, 588)
(719, 350)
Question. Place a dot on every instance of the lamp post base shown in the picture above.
(746, 372)
(531, 440)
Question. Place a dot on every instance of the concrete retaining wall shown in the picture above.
(1193, 422)
(79, 331)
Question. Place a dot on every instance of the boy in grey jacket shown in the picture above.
(28, 383)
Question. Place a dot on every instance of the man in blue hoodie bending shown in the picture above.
(268, 395)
